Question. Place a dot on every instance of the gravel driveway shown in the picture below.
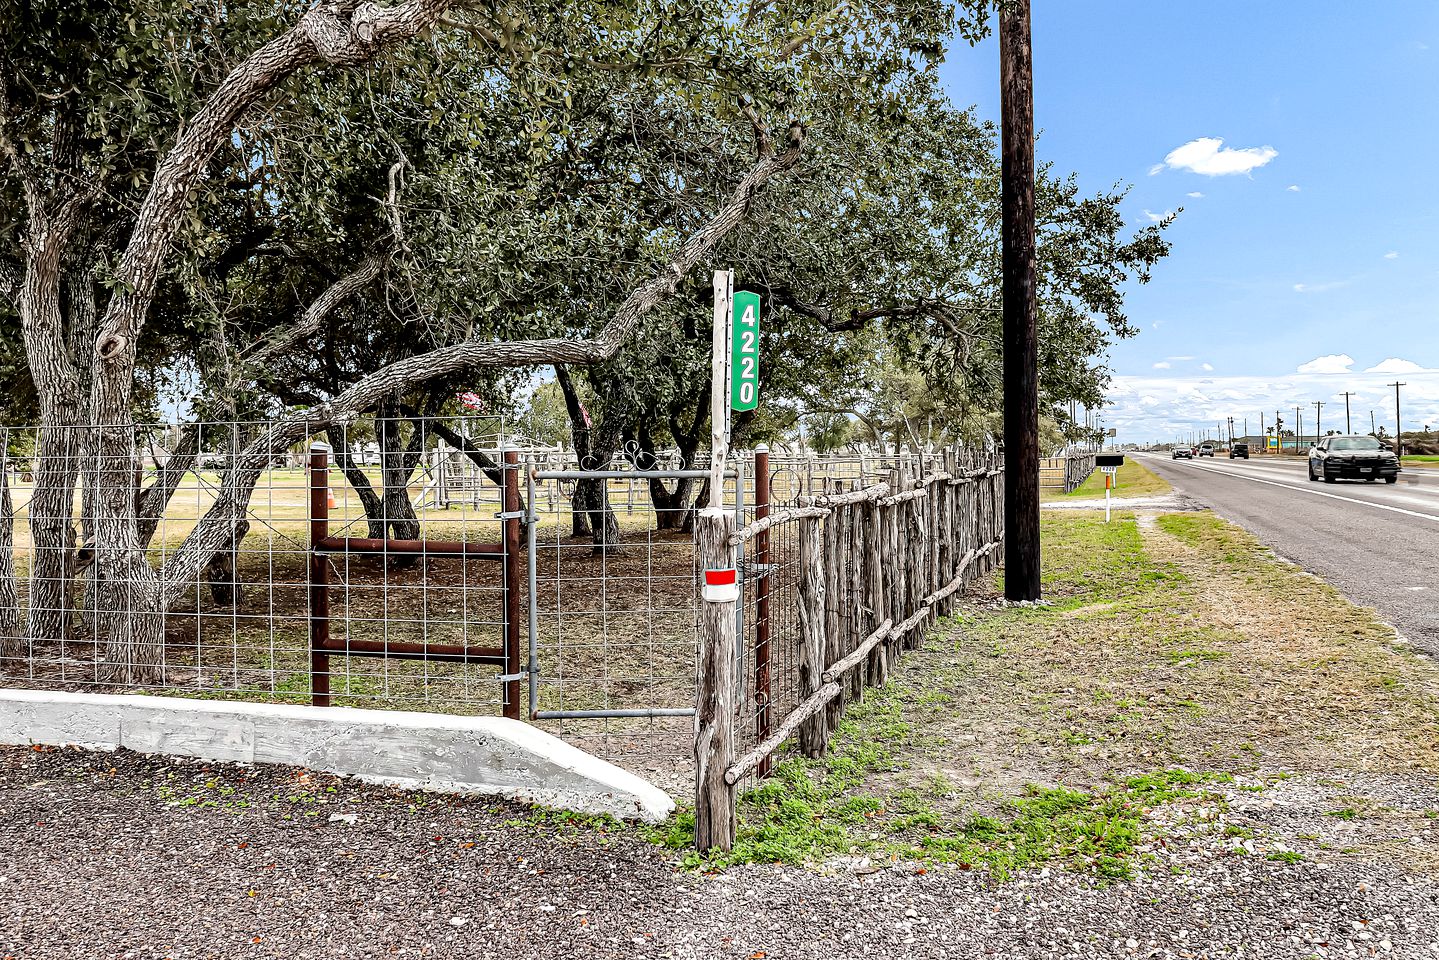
(128, 856)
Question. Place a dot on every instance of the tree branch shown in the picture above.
(232, 500)
(338, 32)
(280, 342)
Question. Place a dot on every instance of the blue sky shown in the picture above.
(1316, 258)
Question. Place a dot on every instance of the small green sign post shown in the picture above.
(744, 351)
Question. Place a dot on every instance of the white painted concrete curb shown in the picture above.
(488, 756)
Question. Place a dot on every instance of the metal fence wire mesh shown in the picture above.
(401, 562)
(239, 625)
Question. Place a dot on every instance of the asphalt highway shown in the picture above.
(1374, 541)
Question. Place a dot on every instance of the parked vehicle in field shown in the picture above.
(1182, 453)
(1206, 449)
(1352, 457)
(1239, 450)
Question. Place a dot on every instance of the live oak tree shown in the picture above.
(112, 117)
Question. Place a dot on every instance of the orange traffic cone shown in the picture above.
(330, 497)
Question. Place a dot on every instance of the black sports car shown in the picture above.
(1352, 457)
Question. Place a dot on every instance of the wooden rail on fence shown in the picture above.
(1066, 472)
(875, 565)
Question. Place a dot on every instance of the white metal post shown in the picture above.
(719, 384)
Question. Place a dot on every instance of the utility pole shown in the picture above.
(1279, 431)
(1398, 424)
(1347, 427)
(1318, 418)
(1298, 428)
(1021, 335)
(1373, 428)
(1263, 431)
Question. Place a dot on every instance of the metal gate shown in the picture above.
(612, 631)
(325, 548)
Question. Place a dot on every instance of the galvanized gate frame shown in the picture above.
(531, 522)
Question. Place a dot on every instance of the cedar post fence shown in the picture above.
(875, 565)
(715, 708)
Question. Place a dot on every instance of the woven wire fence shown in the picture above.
(239, 624)
(586, 623)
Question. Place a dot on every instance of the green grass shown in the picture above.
(1037, 736)
(808, 811)
(1132, 480)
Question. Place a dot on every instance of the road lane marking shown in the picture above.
(1416, 498)
(1302, 488)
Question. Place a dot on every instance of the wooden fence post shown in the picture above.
(858, 512)
(877, 668)
(894, 581)
(715, 706)
(833, 593)
(814, 734)
(838, 568)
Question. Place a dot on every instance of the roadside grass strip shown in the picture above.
(1132, 480)
(1175, 671)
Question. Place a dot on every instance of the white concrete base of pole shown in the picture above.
(486, 756)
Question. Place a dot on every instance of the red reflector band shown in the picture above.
(719, 578)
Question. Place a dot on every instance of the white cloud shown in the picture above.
(1195, 194)
(1157, 217)
(1188, 403)
(1157, 324)
(1319, 287)
(1333, 363)
(1206, 366)
(1162, 365)
(1208, 156)
(1157, 169)
(1293, 188)
(1395, 365)
(1179, 358)
(1392, 255)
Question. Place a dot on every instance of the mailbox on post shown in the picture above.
(1108, 464)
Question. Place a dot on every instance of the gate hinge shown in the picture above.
(507, 677)
(512, 515)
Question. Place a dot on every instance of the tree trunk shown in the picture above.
(57, 386)
(124, 600)
(671, 508)
(150, 506)
(51, 530)
(222, 573)
(389, 513)
(370, 501)
(10, 639)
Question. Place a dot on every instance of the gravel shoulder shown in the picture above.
(111, 856)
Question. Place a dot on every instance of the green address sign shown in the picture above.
(744, 351)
